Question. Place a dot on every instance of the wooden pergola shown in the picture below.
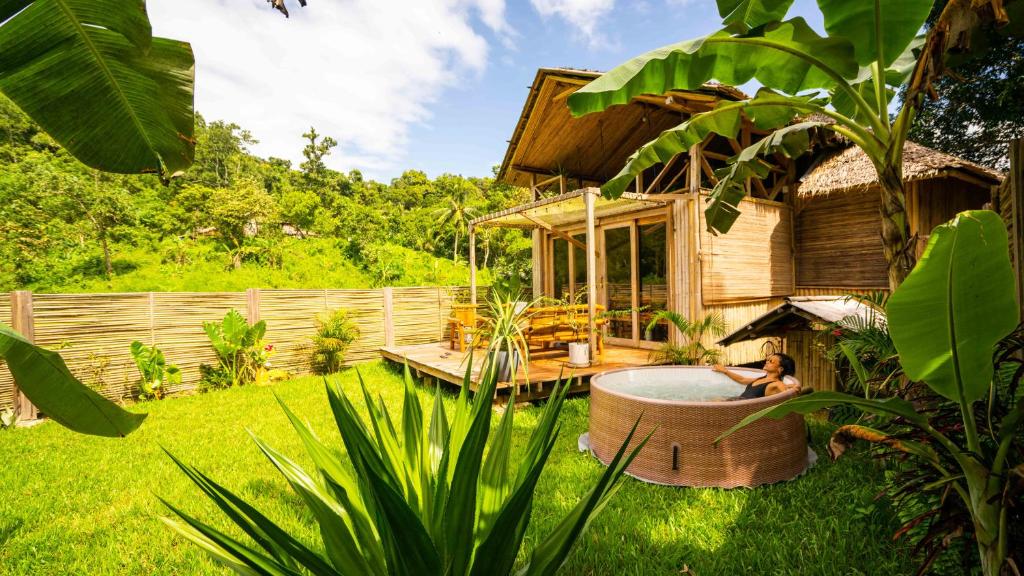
(555, 213)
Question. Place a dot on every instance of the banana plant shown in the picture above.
(945, 321)
(870, 50)
(425, 497)
(93, 76)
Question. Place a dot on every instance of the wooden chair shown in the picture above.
(464, 326)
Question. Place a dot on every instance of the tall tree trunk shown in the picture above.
(455, 251)
(487, 251)
(897, 243)
(107, 264)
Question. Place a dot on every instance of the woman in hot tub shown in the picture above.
(777, 366)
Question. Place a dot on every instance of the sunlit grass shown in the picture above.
(72, 504)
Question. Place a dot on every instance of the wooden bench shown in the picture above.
(550, 324)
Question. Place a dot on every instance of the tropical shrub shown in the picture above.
(156, 373)
(240, 349)
(335, 332)
(946, 320)
(691, 351)
(864, 351)
(423, 498)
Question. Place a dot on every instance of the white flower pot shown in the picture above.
(579, 354)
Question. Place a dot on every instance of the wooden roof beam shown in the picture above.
(662, 173)
(555, 231)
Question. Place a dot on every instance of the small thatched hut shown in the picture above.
(838, 231)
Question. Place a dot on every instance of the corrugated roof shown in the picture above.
(798, 311)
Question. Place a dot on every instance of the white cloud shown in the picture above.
(583, 14)
(360, 71)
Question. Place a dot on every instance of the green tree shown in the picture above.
(314, 170)
(458, 211)
(978, 108)
(237, 213)
(100, 202)
(848, 76)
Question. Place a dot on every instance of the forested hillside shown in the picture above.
(236, 221)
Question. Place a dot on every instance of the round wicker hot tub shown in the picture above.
(687, 408)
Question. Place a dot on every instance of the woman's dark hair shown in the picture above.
(787, 363)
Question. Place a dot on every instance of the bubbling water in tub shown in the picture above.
(697, 385)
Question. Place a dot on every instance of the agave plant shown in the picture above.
(691, 351)
(945, 321)
(422, 498)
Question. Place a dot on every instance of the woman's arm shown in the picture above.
(735, 377)
(779, 388)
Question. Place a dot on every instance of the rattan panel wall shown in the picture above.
(839, 242)
(754, 260)
(812, 367)
(93, 333)
(736, 316)
(6, 381)
(417, 315)
(366, 308)
(178, 328)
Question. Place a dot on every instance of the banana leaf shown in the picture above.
(947, 316)
(44, 378)
(91, 74)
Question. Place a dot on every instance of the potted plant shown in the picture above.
(579, 322)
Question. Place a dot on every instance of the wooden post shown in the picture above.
(22, 322)
(252, 305)
(389, 316)
(538, 263)
(1017, 215)
(694, 180)
(534, 193)
(588, 200)
(472, 265)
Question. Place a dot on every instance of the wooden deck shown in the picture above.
(438, 361)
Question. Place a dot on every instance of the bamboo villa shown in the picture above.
(811, 229)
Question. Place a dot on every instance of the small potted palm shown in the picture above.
(691, 351)
(578, 320)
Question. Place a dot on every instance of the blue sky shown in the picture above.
(433, 85)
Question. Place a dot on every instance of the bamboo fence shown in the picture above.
(93, 332)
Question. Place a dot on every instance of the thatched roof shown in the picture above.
(547, 140)
(850, 170)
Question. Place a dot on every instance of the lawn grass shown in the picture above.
(72, 504)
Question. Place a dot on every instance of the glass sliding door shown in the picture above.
(652, 276)
(618, 281)
(560, 268)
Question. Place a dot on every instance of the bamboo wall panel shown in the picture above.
(936, 201)
(419, 318)
(835, 291)
(366, 309)
(291, 323)
(736, 316)
(838, 241)
(6, 381)
(754, 260)
(812, 367)
(178, 328)
(93, 333)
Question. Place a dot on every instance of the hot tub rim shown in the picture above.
(595, 384)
